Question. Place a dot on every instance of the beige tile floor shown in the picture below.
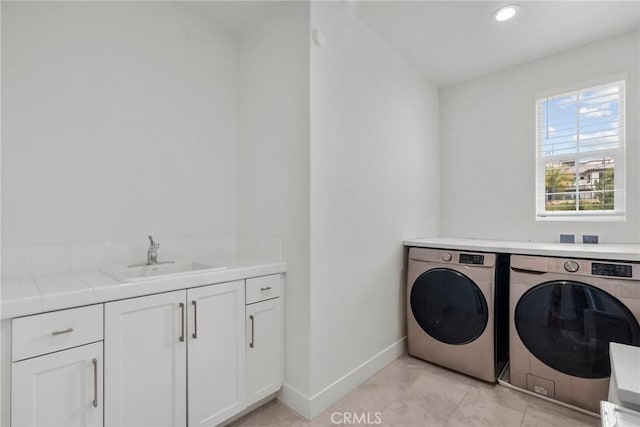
(410, 392)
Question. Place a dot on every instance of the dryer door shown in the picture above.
(449, 306)
(568, 326)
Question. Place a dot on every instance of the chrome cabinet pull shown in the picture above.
(95, 383)
(252, 329)
(66, 331)
(182, 321)
(266, 289)
(195, 320)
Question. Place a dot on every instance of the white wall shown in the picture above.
(374, 181)
(334, 196)
(487, 138)
(273, 167)
(119, 122)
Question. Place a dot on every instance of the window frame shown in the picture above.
(618, 214)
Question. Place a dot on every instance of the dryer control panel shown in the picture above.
(471, 259)
(577, 267)
(451, 257)
(614, 270)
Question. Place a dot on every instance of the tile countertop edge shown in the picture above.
(243, 269)
(604, 251)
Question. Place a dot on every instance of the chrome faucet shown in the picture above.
(152, 256)
(152, 252)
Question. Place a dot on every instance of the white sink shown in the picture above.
(139, 273)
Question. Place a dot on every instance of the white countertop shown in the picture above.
(608, 251)
(39, 293)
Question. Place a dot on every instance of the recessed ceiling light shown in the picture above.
(506, 12)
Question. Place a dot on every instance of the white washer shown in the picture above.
(563, 315)
(451, 311)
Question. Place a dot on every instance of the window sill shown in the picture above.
(585, 218)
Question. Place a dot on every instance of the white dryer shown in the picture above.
(563, 315)
(455, 301)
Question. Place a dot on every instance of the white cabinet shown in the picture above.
(264, 337)
(50, 332)
(58, 389)
(264, 349)
(147, 341)
(190, 357)
(57, 369)
(216, 361)
(146, 361)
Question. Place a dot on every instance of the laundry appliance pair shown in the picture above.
(553, 318)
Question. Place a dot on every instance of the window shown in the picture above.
(580, 153)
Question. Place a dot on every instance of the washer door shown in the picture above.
(568, 326)
(449, 306)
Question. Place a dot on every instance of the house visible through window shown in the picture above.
(580, 153)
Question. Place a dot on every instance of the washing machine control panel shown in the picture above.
(447, 256)
(614, 270)
(471, 259)
(571, 266)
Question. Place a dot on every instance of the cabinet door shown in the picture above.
(145, 361)
(58, 389)
(217, 364)
(264, 349)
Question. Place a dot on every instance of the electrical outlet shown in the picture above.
(590, 238)
(567, 238)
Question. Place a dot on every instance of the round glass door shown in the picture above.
(568, 326)
(449, 306)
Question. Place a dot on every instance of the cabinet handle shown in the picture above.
(268, 288)
(66, 331)
(195, 320)
(95, 383)
(182, 321)
(252, 329)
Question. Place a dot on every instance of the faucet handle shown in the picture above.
(154, 245)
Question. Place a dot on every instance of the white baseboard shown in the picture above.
(311, 407)
(296, 400)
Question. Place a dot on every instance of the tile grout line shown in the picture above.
(458, 404)
(401, 393)
(524, 413)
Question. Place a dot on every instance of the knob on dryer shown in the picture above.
(446, 256)
(571, 266)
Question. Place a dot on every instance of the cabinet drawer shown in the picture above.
(263, 288)
(49, 332)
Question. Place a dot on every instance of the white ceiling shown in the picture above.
(452, 41)
(237, 16)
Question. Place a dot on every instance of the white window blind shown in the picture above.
(580, 153)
